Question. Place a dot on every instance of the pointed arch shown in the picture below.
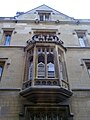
(41, 58)
(41, 66)
(41, 70)
(50, 66)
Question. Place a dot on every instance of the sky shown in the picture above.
(78, 9)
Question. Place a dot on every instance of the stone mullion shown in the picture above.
(57, 64)
(65, 70)
(46, 73)
(26, 66)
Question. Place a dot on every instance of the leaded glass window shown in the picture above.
(45, 67)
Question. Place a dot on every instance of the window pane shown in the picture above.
(51, 70)
(47, 17)
(41, 58)
(50, 67)
(50, 58)
(41, 70)
(89, 71)
(61, 70)
(41, 17)
(81, 41)
(30, 71)
(7, 40)
(1, 71)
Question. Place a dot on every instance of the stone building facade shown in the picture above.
(44, 66)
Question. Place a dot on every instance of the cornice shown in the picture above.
(77, 47)
(72, 22)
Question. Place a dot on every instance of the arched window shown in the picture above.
(41, 70)
(41, 66)
(50, 66)
(41, 58)
(50, 70)
(30, 75)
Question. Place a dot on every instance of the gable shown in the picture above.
(33, 14)
(43, 8)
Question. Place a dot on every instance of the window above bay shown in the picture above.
(82, 38)
(44, 16)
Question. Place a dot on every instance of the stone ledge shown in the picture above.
(10, 89)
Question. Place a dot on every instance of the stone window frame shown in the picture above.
(29, 60)
(2, 65)
(87, 64)
(82, 37)
(7, 35)
(44, 15)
